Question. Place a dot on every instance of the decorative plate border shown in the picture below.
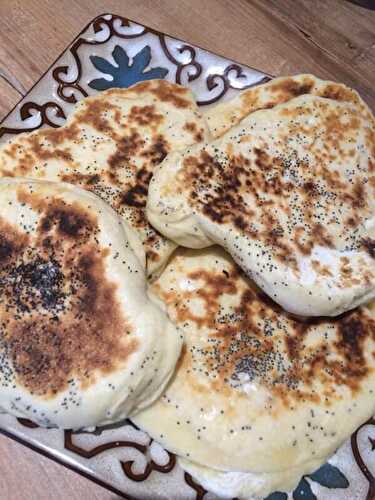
(152, 465)
(232, 77)
(61, 71)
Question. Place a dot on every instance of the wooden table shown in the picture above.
(330, 38)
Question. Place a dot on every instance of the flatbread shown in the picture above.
(110, 145)
(257, 390)
(289, 192)
(81, 344)
(226, 115)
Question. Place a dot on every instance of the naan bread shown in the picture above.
(226, 115)
(81, 344)
(289, 192)
(257, 390)
(111, 145)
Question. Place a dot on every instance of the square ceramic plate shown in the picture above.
(121, 457)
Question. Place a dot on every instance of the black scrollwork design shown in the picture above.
(191, 63)
(213, 81)
(61, 71)
(169, 466)
(199, 490)
(25, 113)
(27, 423)
(191, 67)
(126, 466)
(82, 452)
(164, 469)
(361, 463)
(186, 72)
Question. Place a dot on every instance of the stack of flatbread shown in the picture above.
(82, 344)
(249, 351)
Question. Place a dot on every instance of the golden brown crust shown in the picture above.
(145, 115)
(289, 203)
(196, 132)
(166, 92)
(256, 338)
(289, 88)
(60, 314)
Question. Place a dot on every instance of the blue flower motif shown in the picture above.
(303, 491)
(125, 74)
(327, 475)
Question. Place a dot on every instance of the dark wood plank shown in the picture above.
(338, 36)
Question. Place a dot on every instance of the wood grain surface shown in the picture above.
(333, 39)
(26, 475)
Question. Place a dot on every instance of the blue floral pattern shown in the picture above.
(125, 74)
(327, 475)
